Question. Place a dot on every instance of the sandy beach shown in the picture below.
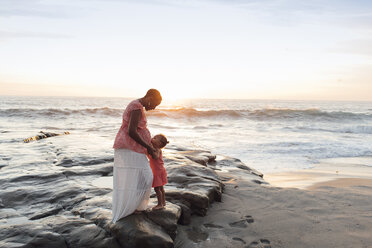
(318, 207)
(337, 172)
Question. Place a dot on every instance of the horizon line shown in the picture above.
(197, 98)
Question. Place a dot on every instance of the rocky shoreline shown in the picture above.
(57, 192)
(56, 205)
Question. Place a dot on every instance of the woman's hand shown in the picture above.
(151, 151)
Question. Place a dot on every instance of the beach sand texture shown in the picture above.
(330, 213)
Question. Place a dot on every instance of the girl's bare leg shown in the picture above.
(163, 196)
(159, 196)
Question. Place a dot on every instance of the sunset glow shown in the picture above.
(196, 49)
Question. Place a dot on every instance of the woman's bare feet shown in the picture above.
(158, 207)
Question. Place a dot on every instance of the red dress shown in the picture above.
(158, 170)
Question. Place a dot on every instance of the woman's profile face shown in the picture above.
(153, 103)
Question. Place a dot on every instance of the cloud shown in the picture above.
(12, 35)
(362, 21)
(357, 13)
(46, 8)
(359, 47)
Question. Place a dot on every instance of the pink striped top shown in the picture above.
(123, 140)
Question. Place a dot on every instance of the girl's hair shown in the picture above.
(164, 141)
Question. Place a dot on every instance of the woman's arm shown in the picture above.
(135, 116)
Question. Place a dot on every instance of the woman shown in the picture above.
(132, 171)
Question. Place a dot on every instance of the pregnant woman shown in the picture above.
(132, 172)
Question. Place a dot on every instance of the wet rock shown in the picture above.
(200, 157)
(226, 161)
(88, 161)
(192, 184)
(47, 213)
(185, 217)
(29, 235)
(99, 215)
(43, 177)
(138, 231)
(79, 232)
(103, 170)
(199, 203)
(167, 218)
(43, 135)
(53, 203)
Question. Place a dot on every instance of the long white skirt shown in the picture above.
(132, 183)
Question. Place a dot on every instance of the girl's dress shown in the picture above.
(158, 170)
(132, 173)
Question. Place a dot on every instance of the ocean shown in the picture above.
(268, 135)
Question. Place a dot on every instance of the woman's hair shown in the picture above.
(164, 141)
(155, 93)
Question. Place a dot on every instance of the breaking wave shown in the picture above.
(53, 112)
(258, 114)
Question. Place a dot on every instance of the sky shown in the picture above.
(235, 49)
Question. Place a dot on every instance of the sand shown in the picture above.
(329, 205)
(344, 171)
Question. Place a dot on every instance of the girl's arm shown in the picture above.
(135, 116)
(156, 154)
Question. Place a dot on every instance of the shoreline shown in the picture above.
(337, 172)
(212, 201)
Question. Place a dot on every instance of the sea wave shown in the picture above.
(305, 114)
(255, 114)
(194, 113)
(358, 129)
(55, 112)
(260, 114)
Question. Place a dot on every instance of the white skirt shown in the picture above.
(132, 183)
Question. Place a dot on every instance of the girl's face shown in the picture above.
(156, 141)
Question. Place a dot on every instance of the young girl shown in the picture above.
(159, 141)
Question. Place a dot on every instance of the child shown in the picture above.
(159, 141)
